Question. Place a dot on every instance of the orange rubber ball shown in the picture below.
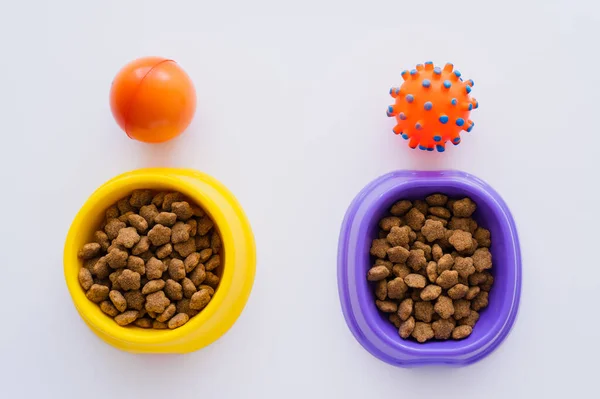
(152, 99)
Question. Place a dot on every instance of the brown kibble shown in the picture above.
(462, 308)
(178, 320)
(85, 279)
(129, 280)
(153, 286)
(183, 306)
(159, 199)
(164, 251)
(436, 200)
(135, 299)
(422, 331)
(180, 232)
(205, 255)
(167, 314)
(431, 292)
(127, 317)
(155, 269)
(405, 309)
(471, 250)
(444, 307)
(139, 223)
(136, 264)
(461, 332)
(149, 213)
(443, 242)
(215, 242)
(125, 217)
(407, 327)
(442, 328)
(426, 249)
(447, 279)
(114, 279)
(415, 219)
(458, 291)
(464, 266)
(472, 293)
(464, 208)
(399, 236)
(173, 290)
(118, 300)
(213, 263)
(97, 293)
(212, 280)
(398, 254)
(400, 208)
(461, 240)
(377, 273)
(176, 269)
(113, 227)
(421, 206)
(416, 259)
(182, 209)
(108, 308)
(144, 322)
(140, 198)
(423, 311)
(444, 222)
(159, 235)
(464, 224)
(415, 294)
(89, 250)
(387, 306)
(396, 288)
(436, 252)
(204, 225)
(167, 219)
(395, 320)
(185, 248)
(415, 281)
(142, 246)
(116, 258)
(198, 275)
(480, 301)
(379, 248)
(191, 261)
(482, 259)
(200, 299)
(470, 320)
(440, 212)
(431, 271)
(477, 278)
(157, 302)
(102, 239)
(387, 223)
(433, 230)
(487, 284)
(157, 325)
(124, 206)
(483, 237)
(111, 213)
(193, 223)
(169, 199)
(189, 288)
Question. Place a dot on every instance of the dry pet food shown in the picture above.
(154, 262)
(431, 268)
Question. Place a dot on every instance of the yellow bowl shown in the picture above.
(238, 261)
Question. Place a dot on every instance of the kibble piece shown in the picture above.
(414, 280)
(461, 332)
(173, 290)
(487, 284)
(461, 240)
(127, 237)
(444, 222)
(387, 306)
(483, 237)
(176, 269)
(387, 223)
(433, 230)
(464, 224)
(114, 279)
(125, 217)
(447, 279)
(471, 250)
(377, 273)
(193, 224)
(118, 300)
(462, 308)
(189, 288)
(144, 322)
(416, 259)
(198, 275)
(399, 236)
(458, 291)
(166, 219)
(213, 262)
(180, 232)
(112, 213)
(204, 225)
(405, 309)
(135, 299)
(155, 269)
(436, 200)
(444, 307)
(423, 311)
(431, 292)
(440, 212)
(85, 279)
(464, 266)
(142, 246)
(401, 271)
(443, 242)
(422, 332)
(157, 325)
(140, 198)
(470, 320)
(124, 206)
(89, 250)
(200, 299)
(215, 242)
(400, 208)
(157, 302)
(185, 248)
(381, 289)
(182, 209)
(158, 199)
(426, 249)
(472, 293)
(436, 252)
(431, 271)
(108, 308)
(169, 198)
(97, 293)
(129, 280)
(183, 306)
(442, 328)
(482, 259)
(127, 317)
(407, 327)
(191, 261)
(153, 286)
(464, 208)
(421, 206)
(205, 255)
(202, 242)
(477, 278)
(167, 314)
(396, 288)
(398, 254)
(379, 248)
(395, 320)
(136, 264)
(138, 222)
(480, 301)
(159, 235)
(101, 238)
(164, 250)
(178, 320)
(149, 213)
(415, 219)
(90, 263)
(113, 227)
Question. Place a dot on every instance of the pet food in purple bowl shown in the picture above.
(371, 328)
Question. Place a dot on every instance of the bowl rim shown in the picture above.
(176, 180)
(359, 321)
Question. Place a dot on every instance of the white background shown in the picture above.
(291, 117)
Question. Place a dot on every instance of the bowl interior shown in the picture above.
(488, 215)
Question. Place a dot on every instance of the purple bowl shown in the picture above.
(373, 330)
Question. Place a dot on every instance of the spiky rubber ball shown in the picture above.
(432, 106)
